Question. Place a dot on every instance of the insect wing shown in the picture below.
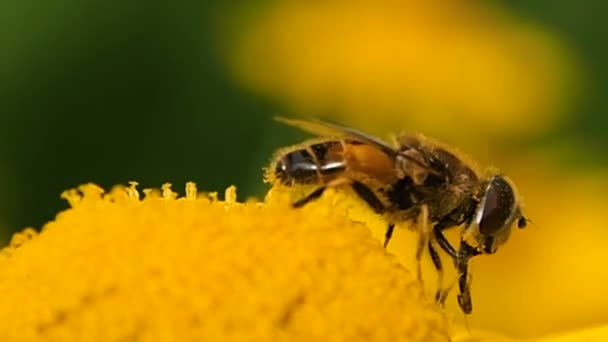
(325, 129)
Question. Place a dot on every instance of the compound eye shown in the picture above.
(498, 205)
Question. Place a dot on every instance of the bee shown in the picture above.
(414, 181)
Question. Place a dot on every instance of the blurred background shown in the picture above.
(113, 91)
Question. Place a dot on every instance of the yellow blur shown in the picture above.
(418, 64)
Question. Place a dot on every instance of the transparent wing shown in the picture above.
(326, 129)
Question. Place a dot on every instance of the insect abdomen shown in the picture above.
(313, 164)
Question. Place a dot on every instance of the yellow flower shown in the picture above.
(118, 268)
(421, 64)
(115, 267)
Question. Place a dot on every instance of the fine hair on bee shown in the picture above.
(414, 181)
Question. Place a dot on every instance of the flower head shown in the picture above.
(117, 267)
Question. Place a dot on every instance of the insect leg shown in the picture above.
(388, 234)
(318, 192)
(440, 294)
(464, 298)
(367, 195)
(441, 239)
(423, 237)
(310, 197)
(464, 279)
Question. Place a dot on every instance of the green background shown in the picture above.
(113, 91)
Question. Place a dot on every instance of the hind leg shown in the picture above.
(388, 234)
(317, 193)
(368, 196)
(310, 197)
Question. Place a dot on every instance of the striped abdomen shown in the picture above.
(315, 163)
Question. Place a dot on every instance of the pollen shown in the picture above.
(153, 266)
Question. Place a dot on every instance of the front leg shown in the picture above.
(442, 240)
(446, 223)
(465, 254)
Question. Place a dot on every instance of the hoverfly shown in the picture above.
(415, 180)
